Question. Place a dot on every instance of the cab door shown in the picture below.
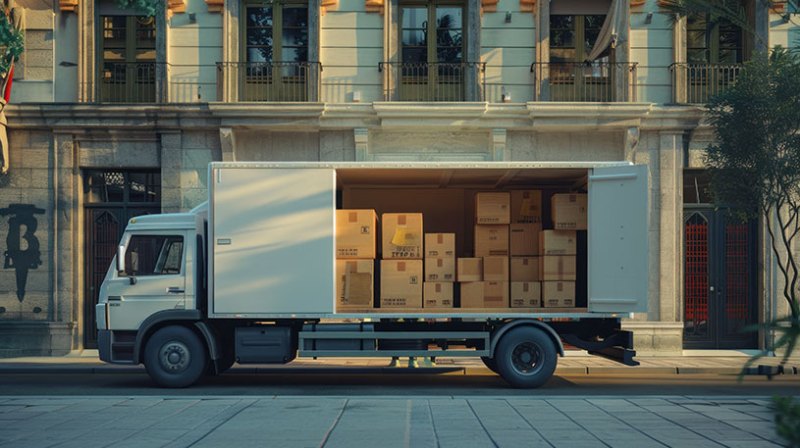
(619, 264)
(155, 278)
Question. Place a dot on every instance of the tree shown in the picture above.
(754, 165)
(146, 7)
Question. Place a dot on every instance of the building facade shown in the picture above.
(114, 114)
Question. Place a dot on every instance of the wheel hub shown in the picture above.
(175, 356)
(526, 358)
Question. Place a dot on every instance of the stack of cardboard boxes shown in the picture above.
(355, 258)
(440, 270)
(401, 266)
(516, 264)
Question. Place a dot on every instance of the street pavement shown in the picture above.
(386, 421)
(52, 402)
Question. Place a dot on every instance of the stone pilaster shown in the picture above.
(361, 136)
(171, 167)
(670, 218)
(499, 148)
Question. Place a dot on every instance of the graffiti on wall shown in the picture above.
(22, 246)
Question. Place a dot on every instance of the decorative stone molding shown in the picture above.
(374, 6)
(527, 5)
(215, 5)
(325, 4)
(176, 6)
(68, 5)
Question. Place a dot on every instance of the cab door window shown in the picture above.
(153, 255)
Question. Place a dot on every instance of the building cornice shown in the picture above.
(540, 116)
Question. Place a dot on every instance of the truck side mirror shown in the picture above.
(120, 258)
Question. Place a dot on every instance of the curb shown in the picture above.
(769, 371)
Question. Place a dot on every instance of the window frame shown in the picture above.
(712, 31)
(432, 46)
(277, 28)
(131, 90)
(160, 260)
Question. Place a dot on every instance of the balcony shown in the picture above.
(584, 81)
(268, 81)
(128, 82)
(440, 81)
(697, 83)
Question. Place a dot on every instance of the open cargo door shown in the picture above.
(272, 240)
(618, 239)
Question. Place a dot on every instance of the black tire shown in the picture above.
(526, 357)
(490, 363)
(175, 356)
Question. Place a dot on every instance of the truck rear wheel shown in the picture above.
(175, 357)
(526, 357)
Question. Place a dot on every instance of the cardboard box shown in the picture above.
(558, 242)
(470, 270)
(437, 295)
(441, 269)
(401, 283)
(354, 280)
(526, 295)
(440, 245)
(495, 269)
(569, 211)
(525, 269)
(491, 240)
(356, 233)
(558, 267)
(472, 295)
(495, 294)
(524, 239)
(558, 294)
(402, 235)
(484, 295)
(526, 206)
(493, 208)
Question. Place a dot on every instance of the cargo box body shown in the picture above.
(272, 228)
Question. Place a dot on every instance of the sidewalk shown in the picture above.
(573, 364)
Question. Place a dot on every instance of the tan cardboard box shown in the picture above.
(493, 208)
(470, 270)
(495, 269)
(525, 269)
(569, 211)
(402, 235)
(354, 283)
(437, 295)
(491, 240)
(401, 283)
(558, 294)
(356, 233)
(558, 267)
(524, 239)
(526, 206)
(495, 294)
(441, 269)
(558, 242)
(526, 295)
(472, 295)
(440, 245)
(484, 295)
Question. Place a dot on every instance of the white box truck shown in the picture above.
(248, 277)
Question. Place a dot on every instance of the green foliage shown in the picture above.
(787, 419)
(11, 43)
(147, 7)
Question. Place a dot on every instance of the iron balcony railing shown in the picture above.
(128, 82)
(584, 81)
(435, 81)
(697, 83)
(268, 81)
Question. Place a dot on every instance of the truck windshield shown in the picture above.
(153, 255)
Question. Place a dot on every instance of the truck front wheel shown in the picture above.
(175, 357)
(526, 357)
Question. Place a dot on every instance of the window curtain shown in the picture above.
(608, 33)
